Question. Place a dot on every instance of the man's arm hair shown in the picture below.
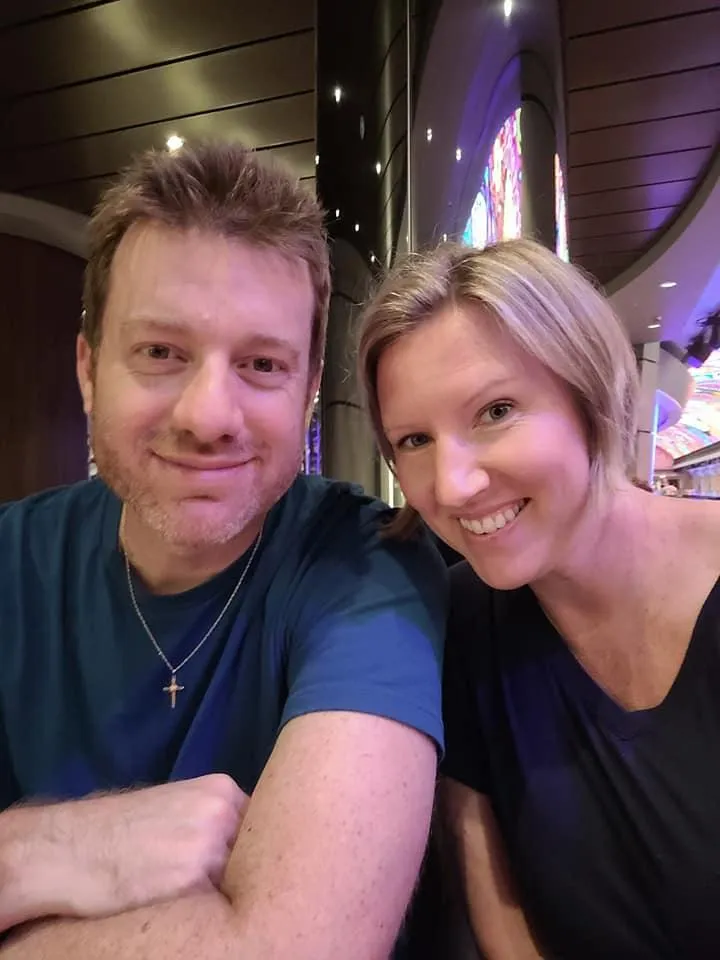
(324, 864)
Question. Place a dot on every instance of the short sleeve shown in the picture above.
(369, 634)
(468, 625)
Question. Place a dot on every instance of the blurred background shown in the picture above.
(592, 127)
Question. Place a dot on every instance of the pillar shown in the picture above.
(539, 146)
(361, 170)
(648, 355)
(349, 451)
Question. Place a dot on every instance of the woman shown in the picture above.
(582, 689)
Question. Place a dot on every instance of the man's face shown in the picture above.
(199, 390)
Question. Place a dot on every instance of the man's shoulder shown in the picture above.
(336, 530)
(48, 516)
(318, 500)
(322, 516)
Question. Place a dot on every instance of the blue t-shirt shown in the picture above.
(331, 616)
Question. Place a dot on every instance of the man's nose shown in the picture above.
(208, 407)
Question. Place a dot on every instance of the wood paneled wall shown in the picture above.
(42, 425)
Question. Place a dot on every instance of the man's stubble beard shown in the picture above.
(166, 520)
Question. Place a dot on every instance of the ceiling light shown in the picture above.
(317, 159)
(337, 94)
(357, 228)
(507, 8)
(668, 285)
(444, 238)
(373, 258)
(337, 213)
(378, 168)
(653, 326)
(174, 143)
(428, 134)
(458, 154)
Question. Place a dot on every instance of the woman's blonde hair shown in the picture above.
(547, 307)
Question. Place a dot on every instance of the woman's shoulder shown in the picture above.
(700, 527)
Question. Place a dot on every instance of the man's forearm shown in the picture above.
(198, 926)
(30, 871)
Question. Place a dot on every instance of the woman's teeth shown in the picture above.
(493, 521)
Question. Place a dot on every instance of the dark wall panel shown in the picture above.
(31, 9)
(625, 201)
(616, 223)
(696, 131)
(585, 17)
(42, 441)
(116, 37)
(659, 48)
(275, 68)
(638, 171)
(263, 125)
(648, 99)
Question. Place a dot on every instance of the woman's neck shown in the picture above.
(608, 565)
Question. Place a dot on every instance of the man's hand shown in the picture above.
(109, 854)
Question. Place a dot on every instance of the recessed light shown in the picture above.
(175, 143)
(668, 285)
(337, 94)
(378, 168)
(357, 228)
(337, 213)
(458, 154)
(428, 134)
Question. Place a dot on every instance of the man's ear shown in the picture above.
(84, 370)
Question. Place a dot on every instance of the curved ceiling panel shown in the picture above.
(85, 86)
(642, 86)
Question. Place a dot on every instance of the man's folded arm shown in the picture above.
(324, 864)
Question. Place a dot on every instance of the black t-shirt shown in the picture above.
(611, 818)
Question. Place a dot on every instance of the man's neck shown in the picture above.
(169, 568)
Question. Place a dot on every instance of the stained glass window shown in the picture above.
(313, 442)
(496, 211)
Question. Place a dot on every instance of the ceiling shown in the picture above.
(86, 85)
(642, 86)
(664, 294)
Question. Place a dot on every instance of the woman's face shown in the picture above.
(488, 446)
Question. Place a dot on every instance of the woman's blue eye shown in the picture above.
(413, 441)
(496, 412)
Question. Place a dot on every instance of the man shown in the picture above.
(240, 646)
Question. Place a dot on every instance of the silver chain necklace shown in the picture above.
(173, 688)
